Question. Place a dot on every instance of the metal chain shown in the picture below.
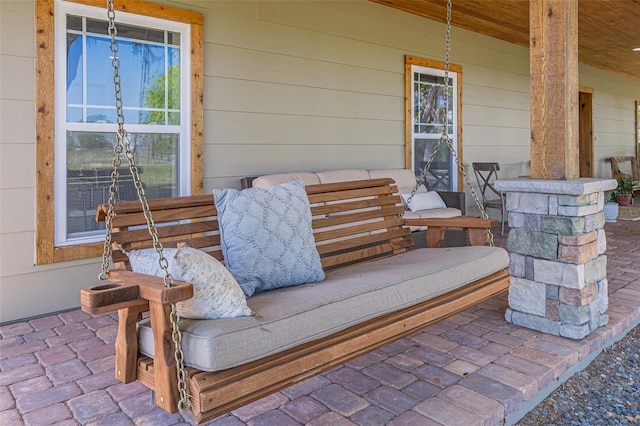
(124, 143)
(444, 138)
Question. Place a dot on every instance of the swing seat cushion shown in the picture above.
(266, 237)
(291, 316)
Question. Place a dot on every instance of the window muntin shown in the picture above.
(154, 64)
(427, 116)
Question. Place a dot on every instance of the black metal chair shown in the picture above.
(486, 175)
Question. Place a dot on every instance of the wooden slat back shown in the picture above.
(191, 219)
(353, 222)
(357, 221)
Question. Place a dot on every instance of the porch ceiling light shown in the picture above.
(637, 49)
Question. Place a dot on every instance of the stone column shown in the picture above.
(556, 247)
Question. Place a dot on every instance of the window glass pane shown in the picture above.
(101, 115)
(174, 78)
(74, 115)
(99, 73)
(429, 104)
(428, 128)
(173, 38)
(144, 117)
(98, 26)
(74, 69)
(174, 118)
(74, 22)
(439, 173)
(89, 159)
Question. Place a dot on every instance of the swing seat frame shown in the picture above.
(193, 219)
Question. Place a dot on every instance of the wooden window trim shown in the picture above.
(408, 94)
(46, 252)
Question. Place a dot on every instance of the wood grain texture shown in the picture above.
(554, 89)
(44, 130)
(127, 342)
(164, 364)
(607, 29)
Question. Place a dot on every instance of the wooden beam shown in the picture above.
(554, 89)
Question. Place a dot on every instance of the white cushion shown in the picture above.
(347, 175)
(216, 293)
(404, 178)
(280, 178)
(424, 201)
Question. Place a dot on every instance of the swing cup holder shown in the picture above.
(107, 297)
(103, 287)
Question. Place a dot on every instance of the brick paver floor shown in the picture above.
(471, 369)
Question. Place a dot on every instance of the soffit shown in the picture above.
(608, 30)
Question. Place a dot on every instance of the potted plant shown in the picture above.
(610, 209)
(623, 193)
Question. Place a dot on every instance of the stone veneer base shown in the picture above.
(556, 247)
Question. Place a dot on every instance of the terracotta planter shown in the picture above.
(623, 199)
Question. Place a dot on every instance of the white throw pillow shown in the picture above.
(424, 201)
(216, 294)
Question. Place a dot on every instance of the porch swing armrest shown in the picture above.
(131, 294)
(152, 288)
(477, 228)
(453, 222)
(128, 289)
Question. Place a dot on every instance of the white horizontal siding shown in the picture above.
(276, 158)
(18, 120)
(238, 63)
(17, 37)
(15, 202)
(233, 127)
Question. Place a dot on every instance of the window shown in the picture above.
(162, 92)
(426, 112)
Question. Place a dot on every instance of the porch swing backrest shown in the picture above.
(193, 220)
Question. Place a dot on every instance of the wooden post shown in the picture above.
(554, 89)
(164, 362)
(127, 343)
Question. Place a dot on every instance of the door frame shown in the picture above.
(585, 132)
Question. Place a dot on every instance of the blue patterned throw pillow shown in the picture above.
(266, 237)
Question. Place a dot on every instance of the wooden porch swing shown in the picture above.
(355, 224)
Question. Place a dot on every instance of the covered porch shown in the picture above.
(473, 368)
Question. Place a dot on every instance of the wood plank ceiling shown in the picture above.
(608, 30)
